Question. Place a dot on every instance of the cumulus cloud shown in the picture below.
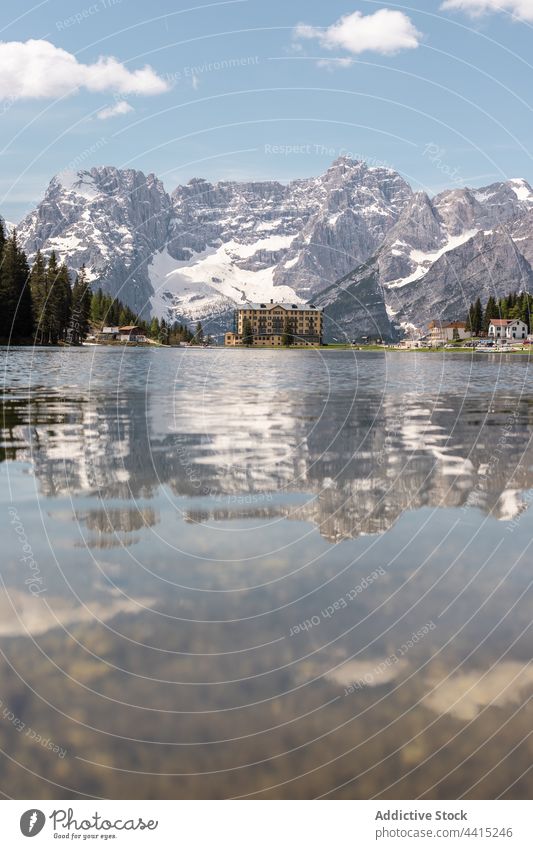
(38, 69)
(385, 31)
(521, 9)
(120, 108)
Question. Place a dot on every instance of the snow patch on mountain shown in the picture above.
(522, 189)
(212, 280)
(79, 182)
(424, 260)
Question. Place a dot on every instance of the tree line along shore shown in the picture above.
(39, 305)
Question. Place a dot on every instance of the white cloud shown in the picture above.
(522, 9)
(331, 64)
(38, 69)
(385, 31)
(120, 108)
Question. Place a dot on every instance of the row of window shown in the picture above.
(256, 313)
(301, 323)
(276, 340)
(311, 337)
(502, 334)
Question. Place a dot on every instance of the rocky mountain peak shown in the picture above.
(382, 255)
(110, 219)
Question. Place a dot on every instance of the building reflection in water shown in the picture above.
(271, 582)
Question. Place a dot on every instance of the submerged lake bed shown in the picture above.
(266, 575)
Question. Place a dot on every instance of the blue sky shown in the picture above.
(264, 90)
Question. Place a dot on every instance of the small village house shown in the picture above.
(131, 333)
(107, 334)
(442, 332)
(507, 330)
(127, 333)
(410, 344)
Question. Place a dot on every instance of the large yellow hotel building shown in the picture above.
(271, 322)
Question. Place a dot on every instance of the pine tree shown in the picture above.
(39, 289)
(525, 313)
(491, 311)
(164, 332)
(97, 311)
(63, 301)
(3, 239)
(50, 318)
(23, 324)
(16, 320)
(7, 291)
(477, 318)
(199, 335)
(112, 316)
(81, 308)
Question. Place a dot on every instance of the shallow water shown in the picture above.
(265, 573)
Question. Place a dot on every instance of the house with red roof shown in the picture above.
(508, 330)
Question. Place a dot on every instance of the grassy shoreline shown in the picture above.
(360, 349)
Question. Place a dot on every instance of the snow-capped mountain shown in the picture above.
(111, 220)
(357, 240)
(232, 242)
(210, 246)
(443, 253)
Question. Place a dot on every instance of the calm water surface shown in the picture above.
(266, 574)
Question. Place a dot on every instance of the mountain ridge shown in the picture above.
(357, 240)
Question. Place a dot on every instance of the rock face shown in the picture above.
(357, 240)
(486, 264)
(354, 208)
(111, 220)
(355, 308)
(232, 242)
(440, 256)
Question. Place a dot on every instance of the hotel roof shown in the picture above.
(442, 325)
(272, 305)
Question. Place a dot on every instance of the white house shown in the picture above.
(452, 331)
(508, 329)
(108, 334)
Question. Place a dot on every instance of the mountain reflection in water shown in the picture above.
(281, 574)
